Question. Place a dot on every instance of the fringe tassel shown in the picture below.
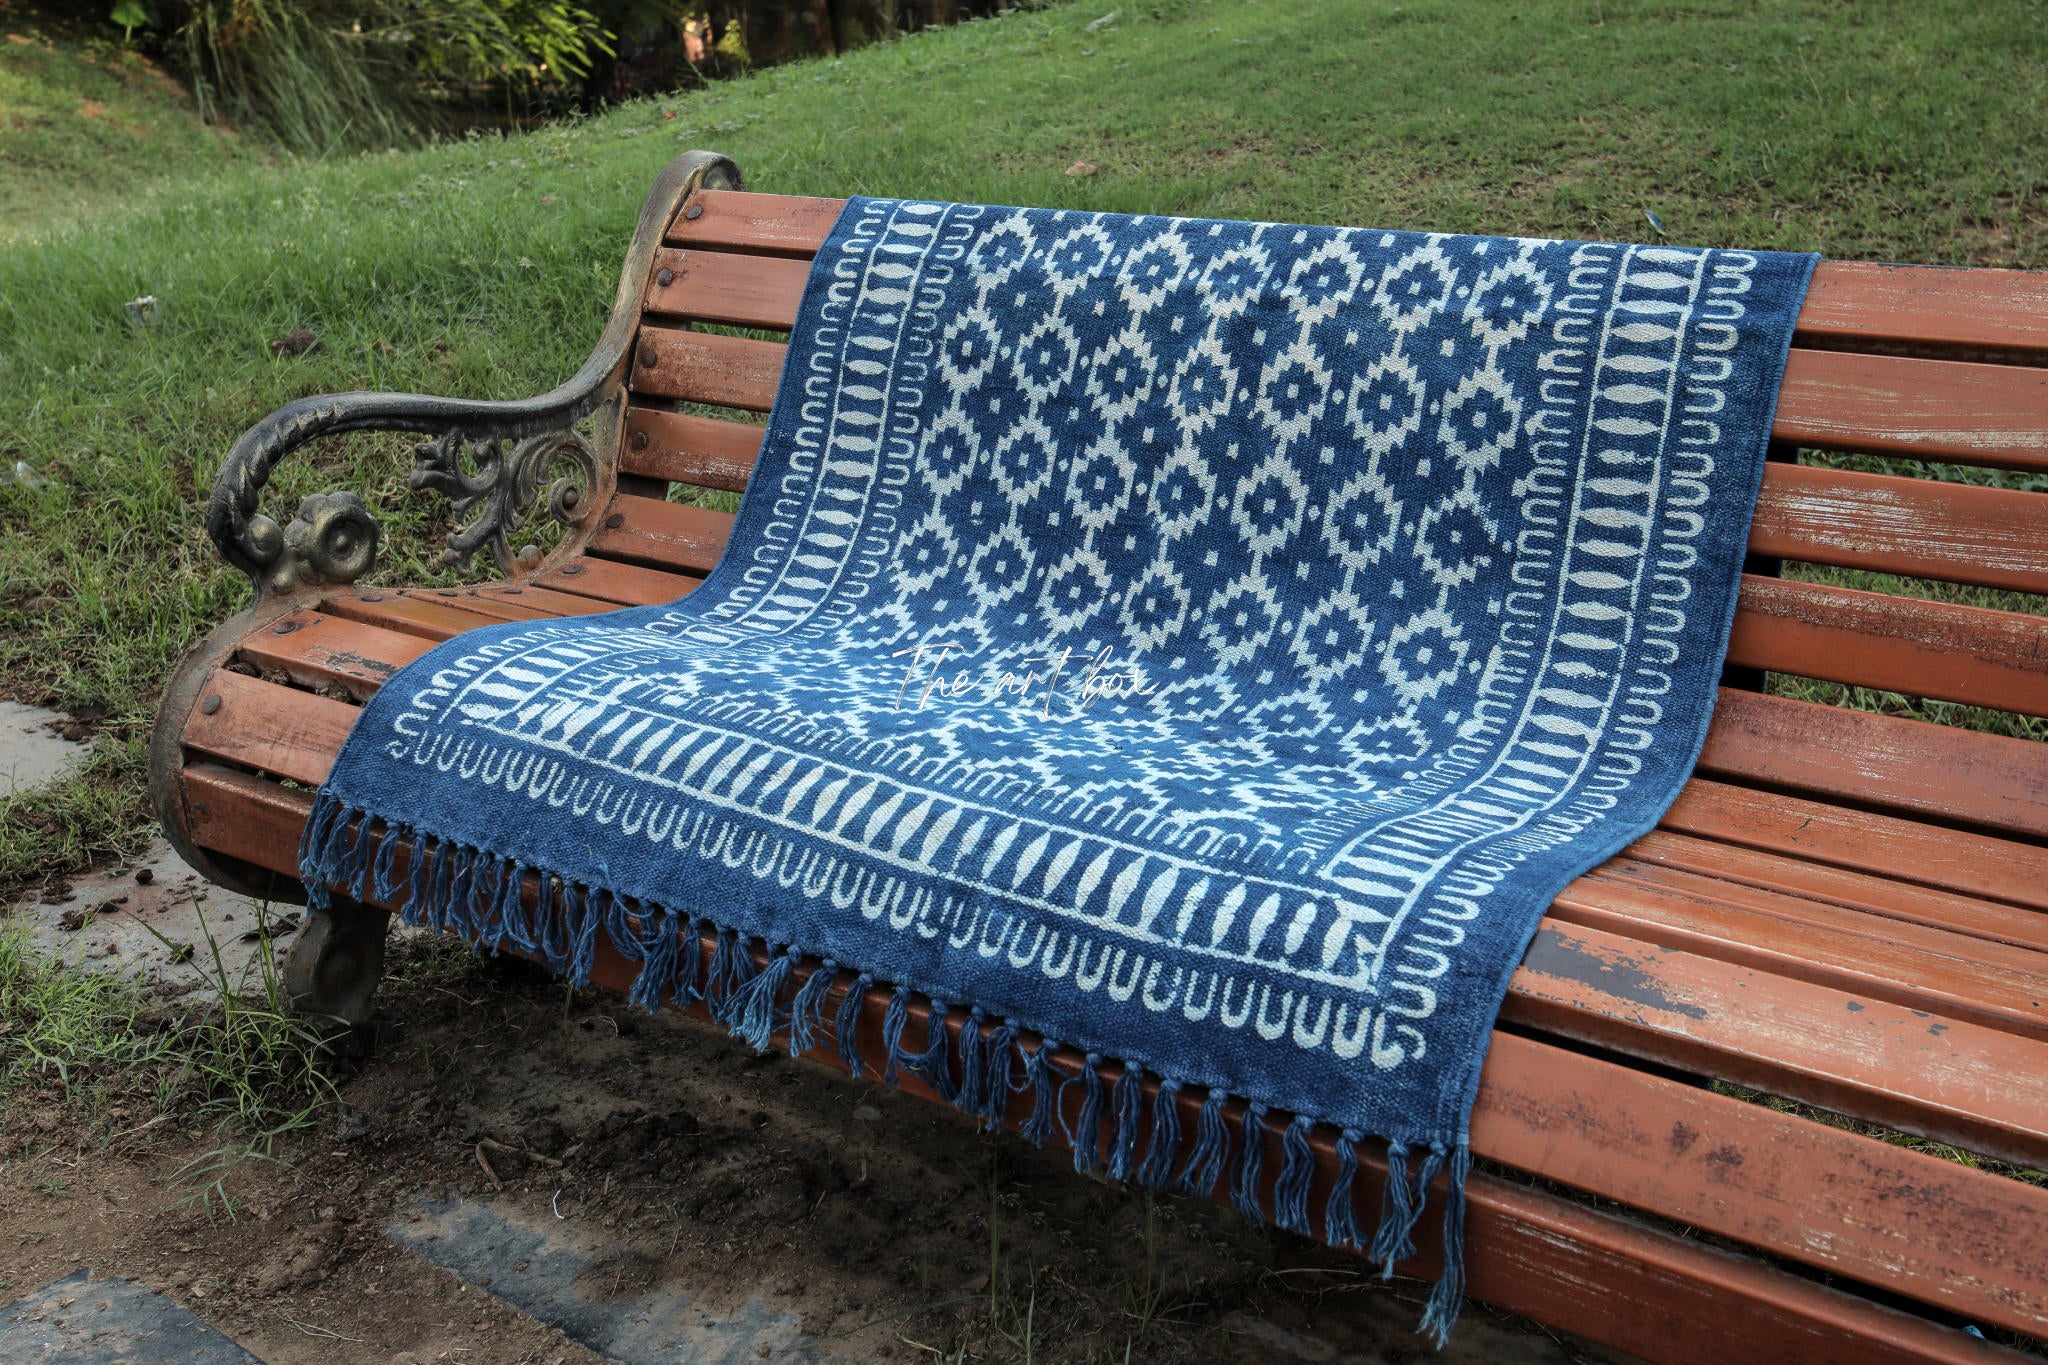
(1394, 1239)
(1244, 1190)
(1156, 1171)
(453, 888)
(1297, 1165)
(1045, 1104)
(579, 913)
(933, 1063)
(848, 1023)
(972, 1066)
(1001, 1056)
(718, 986)
(807, 1011)
(1449, 1295)
(1340, 1215)
(383, 872)
(893, 1023)
(1087, 1133)
(1127, 1101)
(1211, 1152)
(754, 1005)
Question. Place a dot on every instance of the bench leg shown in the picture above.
(333, 968)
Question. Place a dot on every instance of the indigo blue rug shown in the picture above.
(1209, 645)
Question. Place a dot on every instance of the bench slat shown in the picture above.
(621, 585)
(1961, 533)
(1886, 761)
(739, 291)
(1851, 304)
(279, 730)
(1838, 400)
(1949, 1080)
(788, 224)
(1948, 1234)
(434, 619)
(1839, 836)
(1854, 890)
(1806, 940)
(544, 601)
(665, 534)
(1856, 304)
(1929, 409)
(707, 367)
(684, 448)
(498, 608)
(1901, 644)
(315, 649)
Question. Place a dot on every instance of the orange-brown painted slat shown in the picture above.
(784, 224)
(717, 286)
(684, 448)
(662, 534)
(1918, 308)
(1856, 890)
(1906, 964)
(488, 609)
(1850, 304)
(315, 649)
(1906, 851)
(1965, 1240)
(1884, 761)
(245, 816)
(1946, 1079)
(1930, 409)
(280, 730)
(1839, 1201)
(619, 585)
(707, 367)
(544, 601)
(1991, 537)
(1930, 649)
(429, 619)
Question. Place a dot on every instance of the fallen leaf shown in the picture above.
(1082, 168)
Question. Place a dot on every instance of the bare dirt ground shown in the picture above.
(676, 1162)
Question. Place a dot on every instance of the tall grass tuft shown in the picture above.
(239, 1065)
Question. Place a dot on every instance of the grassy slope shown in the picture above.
(85, 123)
(483, 268)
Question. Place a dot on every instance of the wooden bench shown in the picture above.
(1844, 909)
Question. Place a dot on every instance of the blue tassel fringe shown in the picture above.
(483, 899)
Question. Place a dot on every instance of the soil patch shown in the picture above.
(686, 1175)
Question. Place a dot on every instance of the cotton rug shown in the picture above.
(1206, 645)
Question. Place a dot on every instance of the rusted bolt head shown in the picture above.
(647, 357)
(664, 277)
(569, 569)
(694, 212)
(210, 705)
(615, 521)
(287, 627)
(639, 440)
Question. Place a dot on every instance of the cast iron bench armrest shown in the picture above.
(333, 539)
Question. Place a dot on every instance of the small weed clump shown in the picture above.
(96, 1061)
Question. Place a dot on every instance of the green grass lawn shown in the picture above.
(484, 267)
(86, 124)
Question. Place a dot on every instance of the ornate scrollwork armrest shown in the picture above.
(334, 539)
